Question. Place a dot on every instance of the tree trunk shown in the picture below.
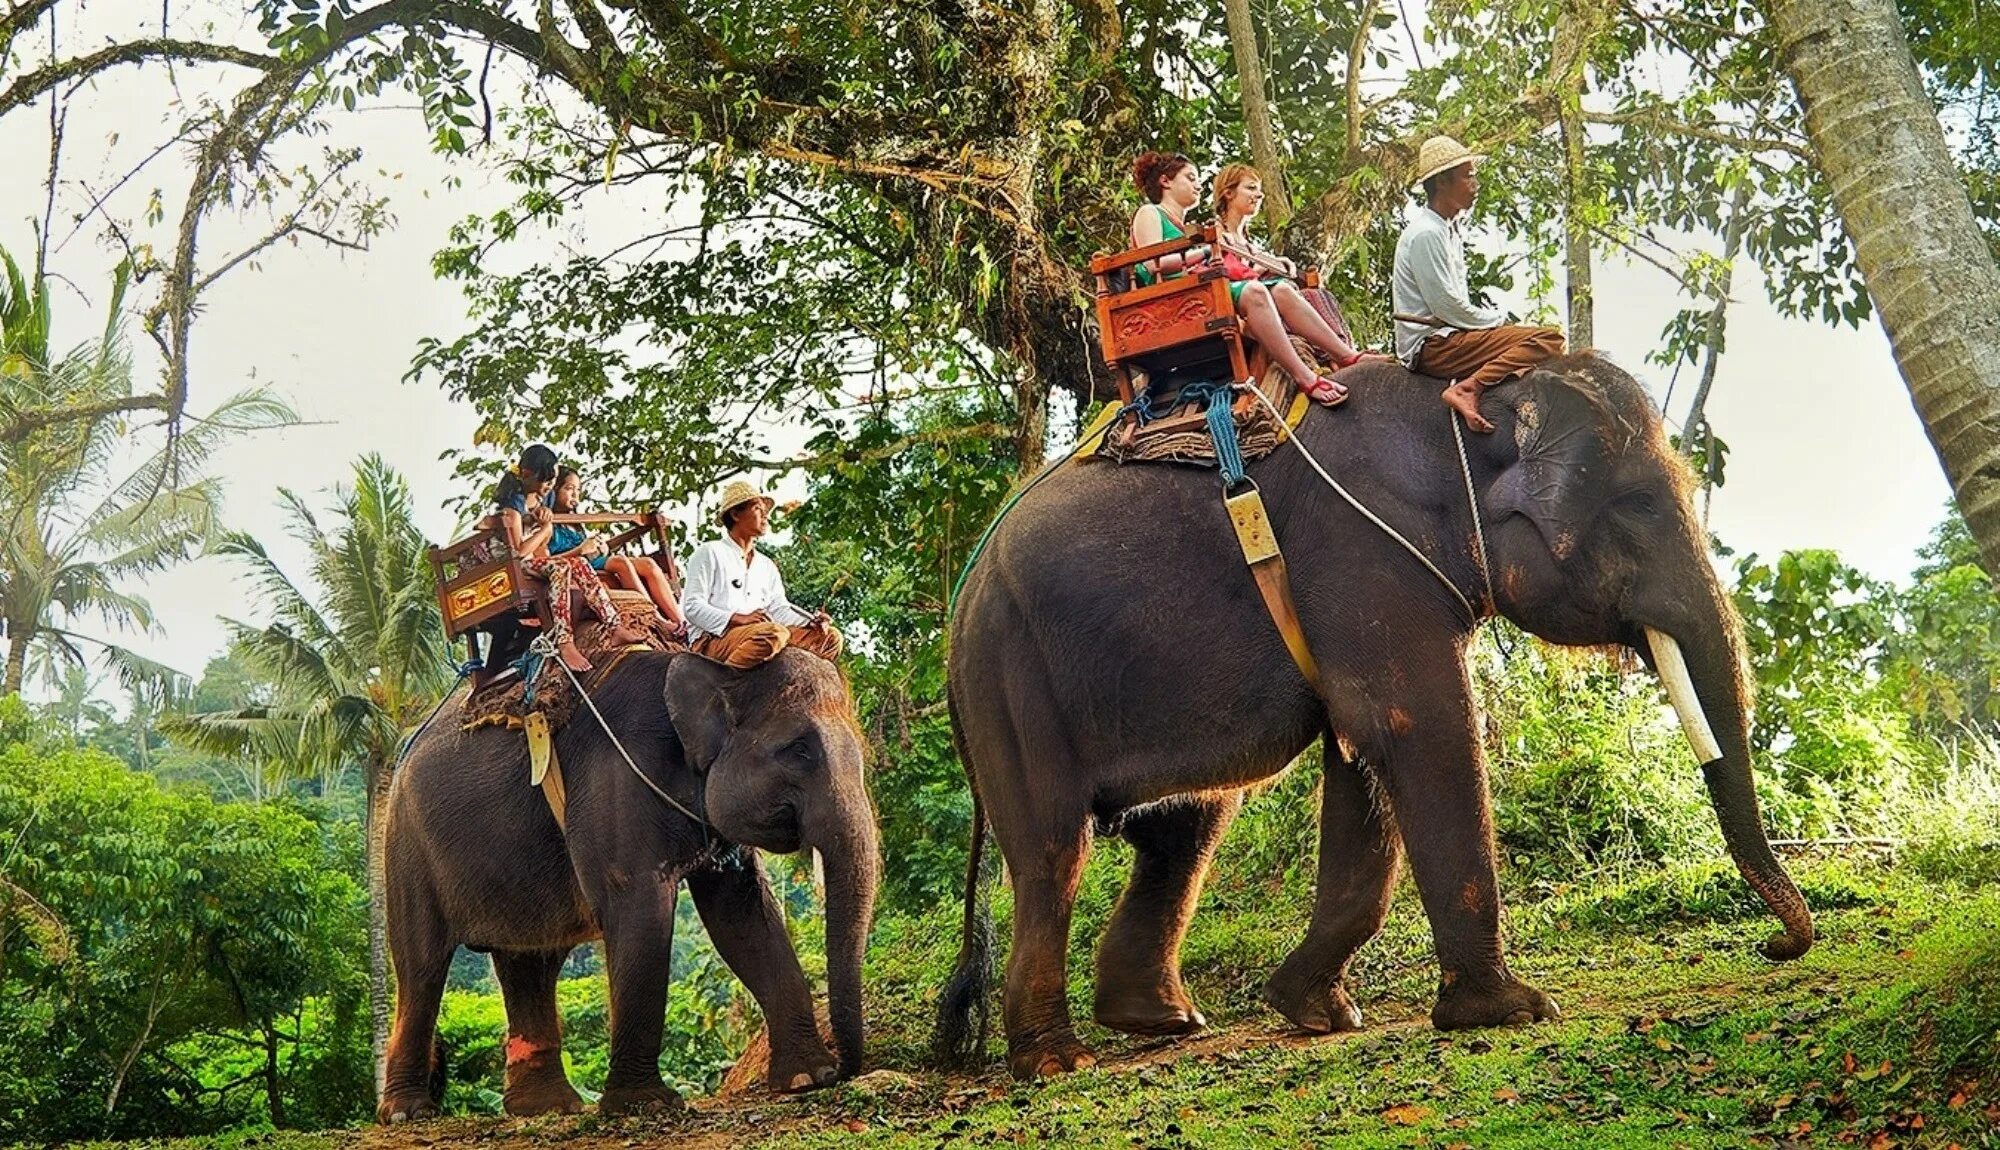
(18, 639)
(1031, 421)
(1257, 111)
(1576, 227)
(378, 917)
(1906, 211)
(274, 1094)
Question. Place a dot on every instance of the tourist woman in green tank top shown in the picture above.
(1168, 182)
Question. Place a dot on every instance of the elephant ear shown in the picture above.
(698, 705)
(1560, 429)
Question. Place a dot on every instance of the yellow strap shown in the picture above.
(1267, 566)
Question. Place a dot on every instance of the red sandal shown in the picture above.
(1322, 390)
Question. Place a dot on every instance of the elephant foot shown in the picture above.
(1314, 1006)
(1048, 1059)
(542, 1096)
(405, 1106)
(808, 1071)
(657, 1098)
(1465, 1006)
(1149, 1015)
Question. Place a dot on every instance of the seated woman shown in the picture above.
(632, 574)
(1167, 180)
(524, 523)
(1239, 193)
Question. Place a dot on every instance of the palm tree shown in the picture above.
(357, 656)
(80, 519)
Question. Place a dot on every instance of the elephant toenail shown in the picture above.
(827, 1074)
(399, 1116)
(801, 1081)
(1085, 1061)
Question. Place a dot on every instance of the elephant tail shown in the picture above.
(958, 1040)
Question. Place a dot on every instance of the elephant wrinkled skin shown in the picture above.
(1112, 665)
(770, 756)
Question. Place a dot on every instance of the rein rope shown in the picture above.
(1473, 613)
(546, 648)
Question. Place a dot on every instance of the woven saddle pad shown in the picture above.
(1182, 436)
(504, 703)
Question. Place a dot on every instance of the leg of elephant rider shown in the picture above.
(1358, 859)
(1139, 987)
(536, 1083)
(1046, 860)
(825, 642)
(638, 924)
(422, 956)
(1435, 772)
(743, 921)
(751, 645)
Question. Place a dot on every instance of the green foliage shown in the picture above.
(80, 525)
(205, 958)
(1588, 774)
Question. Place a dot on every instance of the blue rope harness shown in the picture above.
(1221, 420)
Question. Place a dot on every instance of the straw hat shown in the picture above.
(736, 495)
(1442, 154)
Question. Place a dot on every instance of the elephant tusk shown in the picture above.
(1680, 692)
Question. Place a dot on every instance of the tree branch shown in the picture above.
(1667, 124)
(32, 85)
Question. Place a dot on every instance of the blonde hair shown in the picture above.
(1227, 180)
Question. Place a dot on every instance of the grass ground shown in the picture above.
(1676, 1034)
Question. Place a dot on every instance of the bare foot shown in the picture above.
(573, 658)
(625, 636)
(1463, 398)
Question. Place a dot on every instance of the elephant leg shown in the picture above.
(744, 923)
(638, 952)
(1046, 860)
(1358, 858)
(420, 946)
(1435, 773)
(536, 1083)
(1139, 987)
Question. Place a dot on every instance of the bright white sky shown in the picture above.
(1827, 451)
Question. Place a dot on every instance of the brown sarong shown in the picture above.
(754, 644)
(1487, 356)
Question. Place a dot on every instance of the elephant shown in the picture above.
(1113, 669)
(771, 758)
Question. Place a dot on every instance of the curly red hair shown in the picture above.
(1152, 170)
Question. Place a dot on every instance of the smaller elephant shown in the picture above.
(770, 758)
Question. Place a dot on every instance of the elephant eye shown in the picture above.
(1641, 502)
(799, 751)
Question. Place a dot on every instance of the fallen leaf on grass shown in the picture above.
(1506, 1094)
(1407, 1114)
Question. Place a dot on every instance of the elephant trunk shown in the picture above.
(1702, 672)
(852, 862)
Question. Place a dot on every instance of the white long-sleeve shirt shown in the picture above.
(1429, 280)
(719, 583)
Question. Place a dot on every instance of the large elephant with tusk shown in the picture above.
(1113, 669)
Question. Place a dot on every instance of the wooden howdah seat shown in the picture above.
(1160, 336)
(482, 588)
